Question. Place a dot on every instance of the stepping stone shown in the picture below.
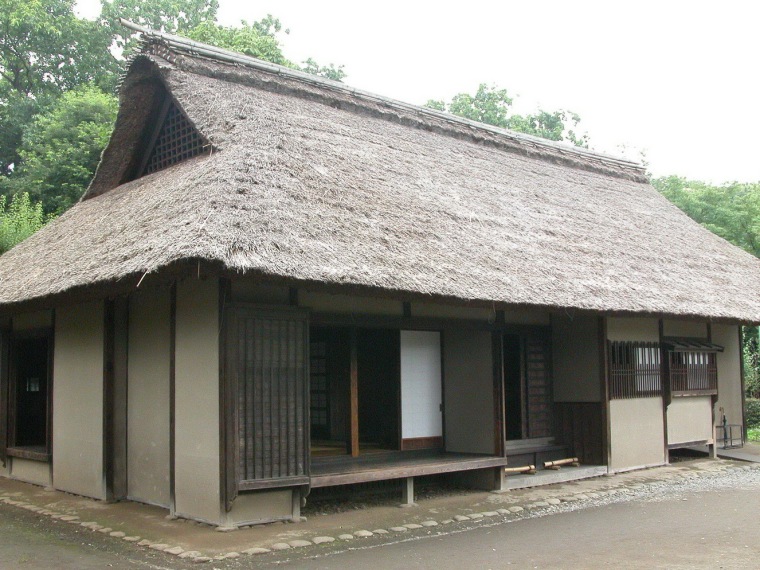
(502, 511)
(475, 516)
(429, 523)
(461, 518)
(412, 526)
(346, 536)
(258, 550)
(158, 546)
(117, 534)
(231, 556)
(380, 531)
(281, 546)
(131, 538)
(516, 509)
(201, 559)
(447, 521)
(68, 518)
(177, 550)
(300, 543)
(399, 529)
(105, 530)
(144, 542)
(322, 539)
(190, 554)
(362, 534)
(490, 514)
(553, 501)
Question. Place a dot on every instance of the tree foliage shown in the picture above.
(257, 40)
(61, 148)
(171, 16)
(18, 220)
(493, 106)
(261, 40)
(731, 210)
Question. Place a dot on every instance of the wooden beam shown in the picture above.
(497, 360)
(354, 397)
(172, 394)
(109, 347)
(604, 367)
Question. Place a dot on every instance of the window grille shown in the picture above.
(177, 140)
(693, 372)
(634, 370)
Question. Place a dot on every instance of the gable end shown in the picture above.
(176, 140)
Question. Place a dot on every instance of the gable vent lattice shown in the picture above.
(177, 140)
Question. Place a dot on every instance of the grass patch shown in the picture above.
(753, 434)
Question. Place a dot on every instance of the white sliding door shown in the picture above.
(421, 394)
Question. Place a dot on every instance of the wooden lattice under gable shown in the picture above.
(177, 140)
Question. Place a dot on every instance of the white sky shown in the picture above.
(679, 80)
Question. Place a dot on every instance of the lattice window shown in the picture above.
(178, 140)
(635, 370)
(695, 372)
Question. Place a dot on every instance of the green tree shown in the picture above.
(257, 40)
(44, 50)
(261, 40)
(493, 106)
(731, 210)
(330, 71)
(18, 220)
(171, 16)
(61, 148)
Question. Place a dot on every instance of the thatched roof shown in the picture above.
(313, 181)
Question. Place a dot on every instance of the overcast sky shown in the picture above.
(679, 80)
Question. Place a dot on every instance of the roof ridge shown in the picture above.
(194, 48)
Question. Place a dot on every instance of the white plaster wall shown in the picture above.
(29, 471)
(575, 359)
(197, 444)
(636, 433)
(327, 303)
(690, 419)
(729, 373)
(468, 391)
(633, 329)
(78, 400)
(421, 384)
(694, 329)
(148, 397)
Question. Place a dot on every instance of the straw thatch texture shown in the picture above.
(313, 184)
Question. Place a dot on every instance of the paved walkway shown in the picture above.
(149, 527)
(750, 452)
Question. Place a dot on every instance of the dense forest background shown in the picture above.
(58, 76)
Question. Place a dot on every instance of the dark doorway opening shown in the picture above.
(31, 379)
(513, 386)
(527, 385)
(373, 421)
(378, 362)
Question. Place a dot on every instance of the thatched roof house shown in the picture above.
(306, 179)
(276, 283)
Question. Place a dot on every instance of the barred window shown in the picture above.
(634, 369)
(693, 372)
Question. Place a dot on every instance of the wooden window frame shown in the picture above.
(626, 377)
(12, 449)
(695, 379)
